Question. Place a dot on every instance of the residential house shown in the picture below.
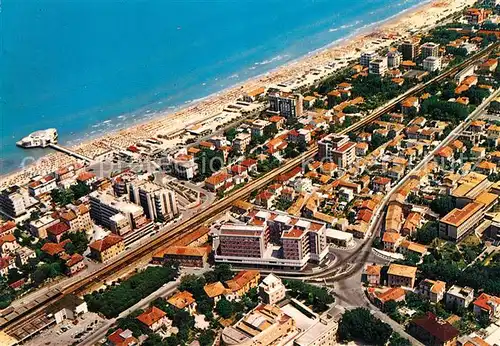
(433, 331)
(8, 244)
(401, 275)
(155, 319)
(372, 273)
(272, 290)
(487, 305)
(396, 294)
(433, 290)
(215, 291)
(459, 297)
(122, 337)
(183, 300)
(391, 241)
(242, 283)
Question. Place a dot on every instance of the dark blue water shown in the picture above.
(88, 67)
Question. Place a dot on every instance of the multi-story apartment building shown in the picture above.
(107, 248)
(77, 217)
(394, 59)
(14, 201)
(429, 49)
(41, 185)
(401, 275)
(241, 141)
(433, 290)
(432, 63)
(409, 50)
(271, 239)
(476, 16)
(459, 297)
(158, 203)
(38, 228)
(184, 166)
(367, 57)
(337, 148)
(115, 214)
(378, 66)
(287, 105)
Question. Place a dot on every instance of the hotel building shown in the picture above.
(429, 49)
(378, 66)
(119, 216)
(409, 50)
(287, 105)
(271, 239)
(367, 57)
(159, 203)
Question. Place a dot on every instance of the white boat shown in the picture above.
(39, 139)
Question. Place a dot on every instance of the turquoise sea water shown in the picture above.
(88, 67)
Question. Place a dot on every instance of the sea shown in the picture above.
(88, 67)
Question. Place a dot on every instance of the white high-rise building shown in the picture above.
(378, 66)
(159, 203)
(366, 57)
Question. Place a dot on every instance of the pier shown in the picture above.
(70, 152)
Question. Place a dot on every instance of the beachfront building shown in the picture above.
(41, 185)
(116, 214)
(15, 201)
(287, 105)
(184, 166)
(271, 239)
(432, 63)
(337, 148)
(409, 50)
(378, 66)
(394, 59)
(367, 57)
(429, 49)
(158, 202)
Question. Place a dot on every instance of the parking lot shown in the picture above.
(68, 333)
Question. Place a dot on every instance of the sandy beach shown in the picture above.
(373, 37)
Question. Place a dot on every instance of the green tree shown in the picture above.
(360, 324)
(398, 340)
(80, 189)
(427, 233)
(224, 308)
(78, 239)
(442, 205)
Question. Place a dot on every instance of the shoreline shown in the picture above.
(389, 30)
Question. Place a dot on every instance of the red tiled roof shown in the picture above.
(74, 259)
(441, 330)
(105, 243)
(152, 315)
(58, 228)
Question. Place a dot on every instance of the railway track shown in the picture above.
(16, 319)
